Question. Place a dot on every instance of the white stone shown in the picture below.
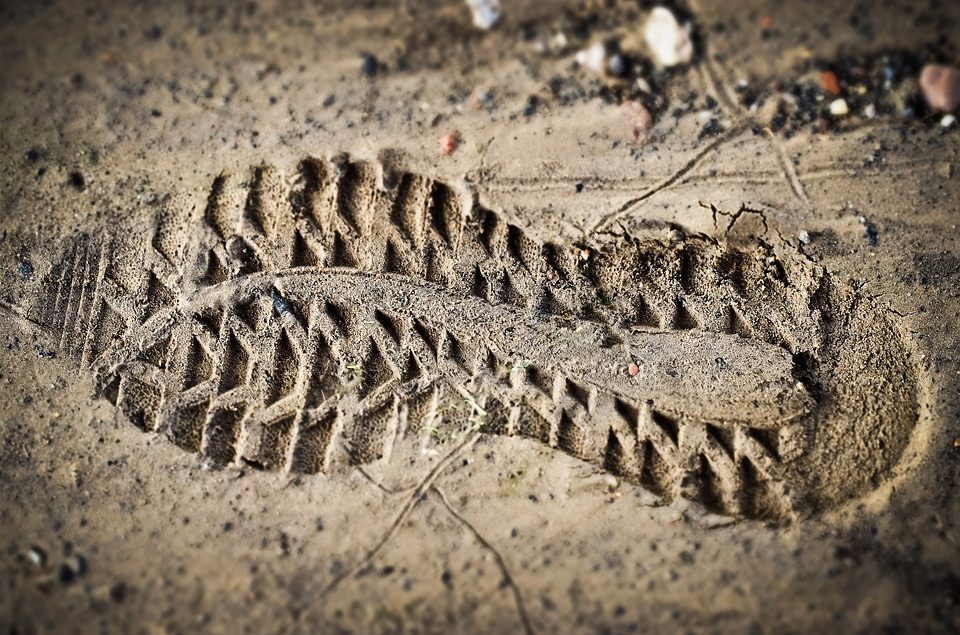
(948, 120)
(485, 12)
(804, 237)
(593, 57)
(870, 111)
(559, 42)
(669, 41)
(37, 557)
(839, 108)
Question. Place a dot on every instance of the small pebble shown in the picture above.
(830, 83)
(804, 237)
(616, 65)
(78, 564)
(485, 13)
(449, 142)
(37, 556)
(530, 109)
(480, 98)
(940, 86)
(870, 111)
(25, 268)
(281, 306)
(948, 120)
(369, 65)
(711, 128)
(632, 369)
(839, 108)
(559, 42)
(592, 58)
(639, 121)
(669, 42)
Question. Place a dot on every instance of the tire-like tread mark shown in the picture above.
(248, 372)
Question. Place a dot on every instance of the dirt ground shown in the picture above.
(351, 317)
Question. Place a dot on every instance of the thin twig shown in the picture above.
(630, 205)
(408, 507)
(379, 485)
(517, 595)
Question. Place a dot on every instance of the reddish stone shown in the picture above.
(830, 83)
(639, 121)
(449, 142)
(940, 85)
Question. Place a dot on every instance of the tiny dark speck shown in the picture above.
(712, 127)
(579, 186)
(26, 269)
(155, 113)
(77, 181)
(154, 32)
(65, 574)
(280, 304)
(531, 108)
(369, 65)
(118, 592)
(33, 155)
(329, 100)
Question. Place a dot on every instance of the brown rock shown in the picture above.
(940, 86)
(830, 83)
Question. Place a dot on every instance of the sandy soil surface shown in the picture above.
(353, 317)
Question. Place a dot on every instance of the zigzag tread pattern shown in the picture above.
(325, 324)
